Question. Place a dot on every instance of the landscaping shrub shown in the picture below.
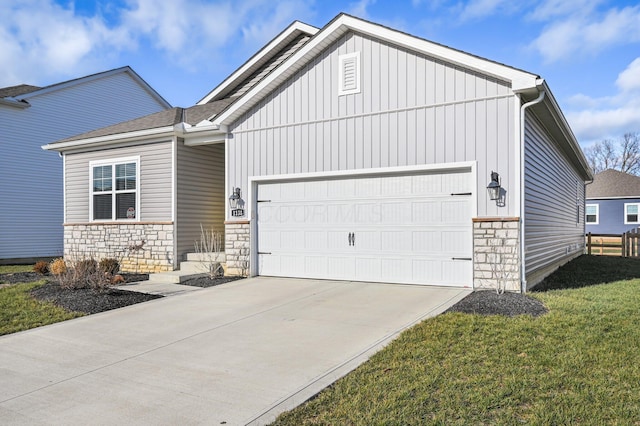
(109, 265)
(86, 267)
(58, 267)
(41, 268)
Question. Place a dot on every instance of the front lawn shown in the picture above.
(20, 311)
(578, 364)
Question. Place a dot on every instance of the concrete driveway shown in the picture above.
(239, 353)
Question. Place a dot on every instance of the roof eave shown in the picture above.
(14, 103)
(100, 141)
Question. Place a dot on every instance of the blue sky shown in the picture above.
(587, 50)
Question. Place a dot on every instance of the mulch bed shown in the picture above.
(488, 302)
(81, 300)
(205, 281)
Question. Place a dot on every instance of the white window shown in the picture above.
(592, 214)
(349, 73)
(114, 189)
(631, 216)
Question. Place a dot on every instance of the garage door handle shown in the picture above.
(461, 258)
(351, 239)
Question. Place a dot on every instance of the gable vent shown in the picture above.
(349, 73)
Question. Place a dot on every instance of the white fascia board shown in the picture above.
(520, 80)
(139, 135)
(240, 73)
(204, 133)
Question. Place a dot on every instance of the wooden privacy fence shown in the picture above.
(625, 245)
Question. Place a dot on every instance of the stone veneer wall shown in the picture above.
(102, 240)
(496, 253)
(236, 247)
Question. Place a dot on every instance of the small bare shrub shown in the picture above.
(41, 267)
(109, 265)
(58, 267)
(209, 247)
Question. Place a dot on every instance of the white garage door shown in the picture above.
(412, 229)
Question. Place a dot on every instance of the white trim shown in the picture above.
(597, 206)
(64, 188)
(113, 162)
(627, 197)
(626, 222)
(520, 80)
(136, 136)
(292, 30)
(342, 62)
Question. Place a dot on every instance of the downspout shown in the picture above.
(523, 276)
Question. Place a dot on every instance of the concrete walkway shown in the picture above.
(239, 353)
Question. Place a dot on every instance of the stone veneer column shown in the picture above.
(123, 242)
(237, 239)
(496, 253)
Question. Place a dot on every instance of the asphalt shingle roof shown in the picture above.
(613, 183)
(13, 91)
(170, 117)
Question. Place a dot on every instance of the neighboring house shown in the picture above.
(31, 184)
(613, 203)
(351, 152)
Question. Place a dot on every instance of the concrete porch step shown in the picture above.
(205, 257)
(173, 277)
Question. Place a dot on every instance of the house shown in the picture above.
(30, 179)
(350, 152)
(613, 203)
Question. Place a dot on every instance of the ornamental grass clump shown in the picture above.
(41, 267)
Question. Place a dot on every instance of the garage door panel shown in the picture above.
(407, 229)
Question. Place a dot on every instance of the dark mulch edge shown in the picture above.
(488, 302)
(205, 281)
(89, 301)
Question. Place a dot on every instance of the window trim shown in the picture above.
(626, 222)
(597, 206)
(113, 162)
(342, 59)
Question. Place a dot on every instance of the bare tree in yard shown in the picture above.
(622, 154)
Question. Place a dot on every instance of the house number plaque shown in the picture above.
(237, 212)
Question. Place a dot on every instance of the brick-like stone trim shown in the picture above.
(237, 236)
(496, 253)
(118, 240)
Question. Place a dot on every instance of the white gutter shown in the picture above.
(523, 276)
(110, 139)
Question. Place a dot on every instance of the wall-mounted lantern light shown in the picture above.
(494, 186)
(234, 198)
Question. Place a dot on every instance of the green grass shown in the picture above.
(19, 311)
(579, 364)
(11, 269)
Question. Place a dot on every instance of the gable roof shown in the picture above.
(614, 184)
(25, 92)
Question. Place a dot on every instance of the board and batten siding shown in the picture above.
(411, 110)
(554, 204)
(155, 186)
(200, 194)
(31, 211)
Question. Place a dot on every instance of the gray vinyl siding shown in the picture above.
(155, 181)
(31, 210)
(554, 191)
(412, 110)
(200, 194)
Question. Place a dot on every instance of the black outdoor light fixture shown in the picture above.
(234, 198)
(494, 186)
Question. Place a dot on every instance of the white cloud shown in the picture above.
(475, 9)
(359, 8)
(609, 117)
(586, 32)
(629, 79)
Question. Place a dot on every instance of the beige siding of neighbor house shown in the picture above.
(411, 110)
(200, 194)
(155, 181)
(554, 204)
